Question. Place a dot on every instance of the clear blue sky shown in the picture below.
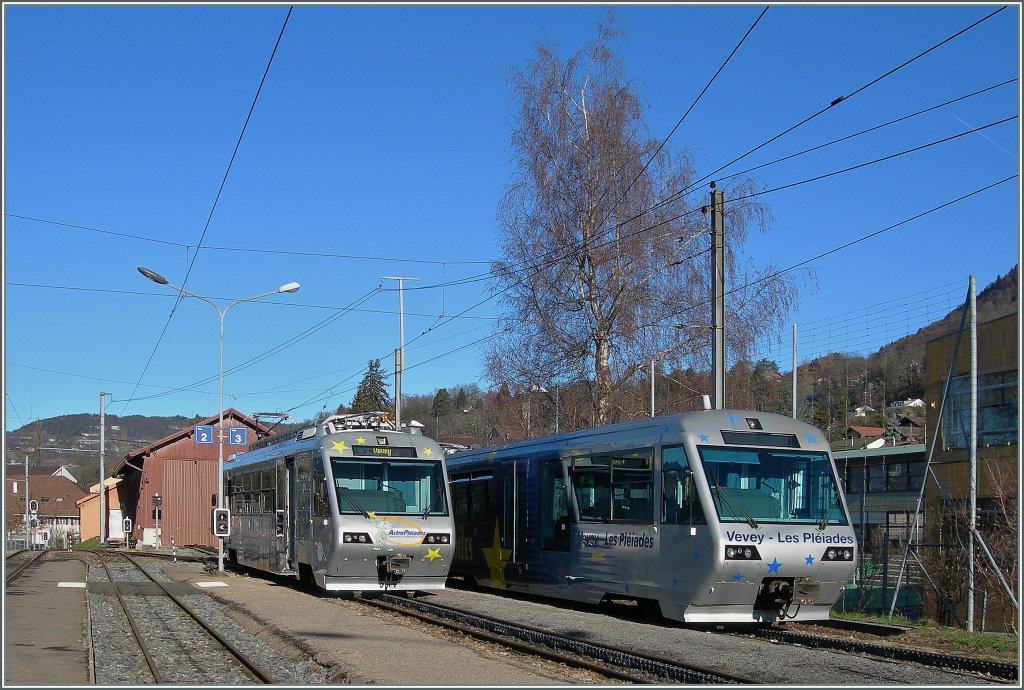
(379, 147)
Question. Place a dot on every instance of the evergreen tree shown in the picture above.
(442, 404)
(372, 393)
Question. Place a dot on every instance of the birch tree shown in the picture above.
(605, 263)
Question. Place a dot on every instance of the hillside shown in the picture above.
(998, 299)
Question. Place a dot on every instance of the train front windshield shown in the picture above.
(756, 485)
(389, 487)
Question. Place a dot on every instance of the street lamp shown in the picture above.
(160, 280)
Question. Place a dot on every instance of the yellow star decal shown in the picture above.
(361, 441)
(495, 556)
(433, 553)
(371, 514)
(339, 446)
(428, 452)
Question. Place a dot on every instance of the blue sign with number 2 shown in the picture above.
(203, 434)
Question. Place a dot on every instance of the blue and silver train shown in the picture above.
(350, 503)
(716, 516)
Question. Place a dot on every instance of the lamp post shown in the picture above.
(160, 280)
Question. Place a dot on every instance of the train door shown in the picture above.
(514, 523)
(303, 522)
(553, 506)
(284, 517)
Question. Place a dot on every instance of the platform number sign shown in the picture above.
(203, 434)
(237, 436)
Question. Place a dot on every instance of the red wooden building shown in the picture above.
(181, 470)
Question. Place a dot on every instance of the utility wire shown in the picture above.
(834, 103)
(680, 122)
(871, 129)
(209, 218)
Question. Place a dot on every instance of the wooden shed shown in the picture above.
(168, 487)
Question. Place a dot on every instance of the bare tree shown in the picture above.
(602, 254)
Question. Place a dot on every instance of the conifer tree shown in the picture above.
(372, 393)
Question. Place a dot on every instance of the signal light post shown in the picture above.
(160, 280)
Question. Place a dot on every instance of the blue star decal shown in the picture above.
(703, 438)
(809, 559)
(737, 577)
(811, 438)
(731, 419)
(696, 555)
(675, 582)
(774, 566)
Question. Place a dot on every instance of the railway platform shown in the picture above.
(46, 625)
(46, 635)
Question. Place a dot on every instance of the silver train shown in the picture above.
(351, 504)
(717, 516)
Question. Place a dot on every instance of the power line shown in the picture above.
(209, 219)
(835, 102)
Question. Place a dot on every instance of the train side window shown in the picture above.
(680, 504)
(321, 506)
(460, 498)
(632, 486)
(591, 485)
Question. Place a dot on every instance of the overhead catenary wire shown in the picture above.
(213, 208)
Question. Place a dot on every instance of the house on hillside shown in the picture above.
(916, 403)
(864, 437)
(860, 411)
(56, 523)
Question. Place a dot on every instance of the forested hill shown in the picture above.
(71, 431)
(998, 299)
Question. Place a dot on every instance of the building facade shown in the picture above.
(997, 471)
(168, 488)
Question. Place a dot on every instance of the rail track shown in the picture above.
(16, 562)
(1002, 671)
(169, 641)
(617, 663)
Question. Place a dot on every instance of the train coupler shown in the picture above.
(391, 568)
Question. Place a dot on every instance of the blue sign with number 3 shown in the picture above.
(237, 436)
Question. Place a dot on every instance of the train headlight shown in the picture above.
(356, 538)
(742, 553)
(837, 554)
(437, 538)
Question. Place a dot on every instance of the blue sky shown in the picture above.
(379, 147)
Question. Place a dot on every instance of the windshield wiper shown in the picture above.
(735, 501)
(344, 493)
(828, 513)
(430, 505)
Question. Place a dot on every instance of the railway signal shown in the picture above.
(221, 522)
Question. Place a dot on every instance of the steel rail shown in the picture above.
(945, 661)
(259, 672)
(139, 640)
(612, 658)
(10, 577)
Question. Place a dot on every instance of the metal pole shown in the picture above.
(794, 371)
(718, 294)
(220, 441)
(973, 454)
(103, 485)
(160, 280)
(27, 499)
(652, 388)
(400, 355)
(557, 411)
